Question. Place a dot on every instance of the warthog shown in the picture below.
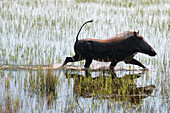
(123, 47)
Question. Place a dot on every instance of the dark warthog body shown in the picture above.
(123, 47)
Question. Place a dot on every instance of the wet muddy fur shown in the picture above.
(123, 47)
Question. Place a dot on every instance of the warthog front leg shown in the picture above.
(112, 65)
(75, 58)
(88, 62)
(134, 61)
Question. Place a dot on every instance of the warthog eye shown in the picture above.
(140, 38)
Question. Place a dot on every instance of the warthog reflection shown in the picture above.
(109, 87)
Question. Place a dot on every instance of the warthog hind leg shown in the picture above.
(75, 58)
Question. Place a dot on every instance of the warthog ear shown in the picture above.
(135, 33)
(138, 31)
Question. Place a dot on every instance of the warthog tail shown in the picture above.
(81, 28)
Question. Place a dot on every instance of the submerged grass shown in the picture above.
(43, 83)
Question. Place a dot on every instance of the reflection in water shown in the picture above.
(109, 87)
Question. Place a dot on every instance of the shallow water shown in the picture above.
(43, 32)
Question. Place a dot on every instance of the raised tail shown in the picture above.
(81, 28)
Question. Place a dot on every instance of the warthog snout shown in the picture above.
(152, 52)
(144, 47)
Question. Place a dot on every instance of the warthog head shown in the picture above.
(143, 46)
